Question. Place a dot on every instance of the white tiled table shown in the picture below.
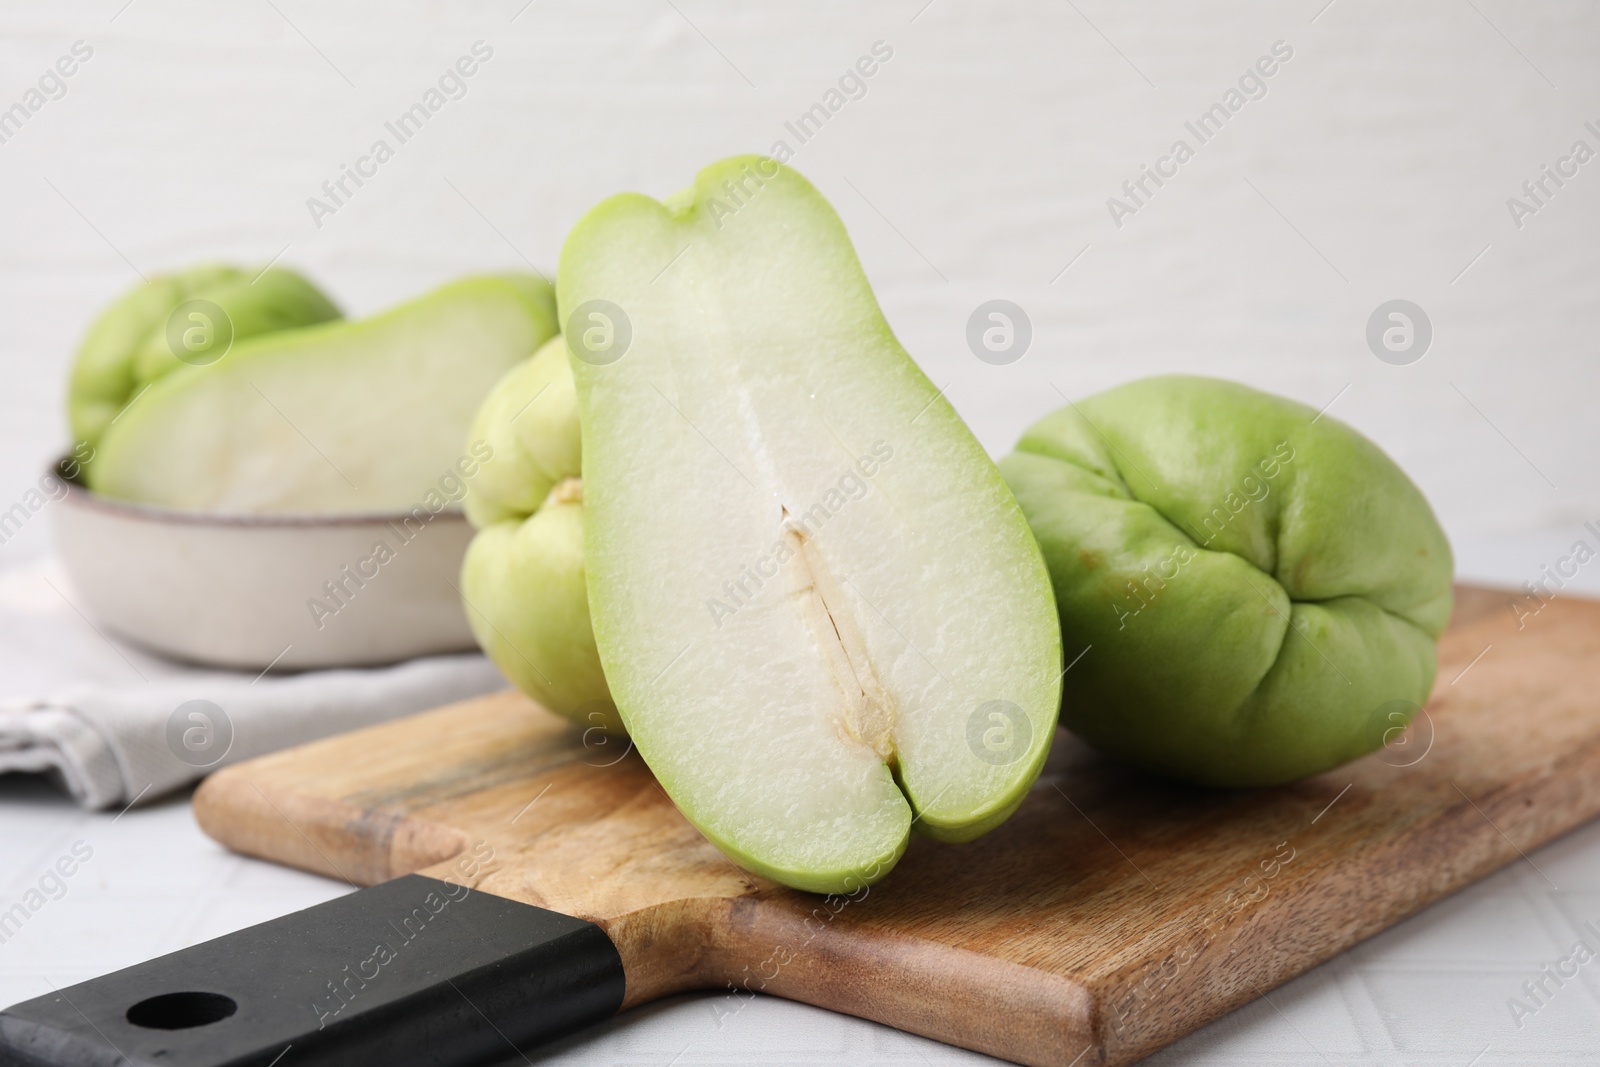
(1432, 990)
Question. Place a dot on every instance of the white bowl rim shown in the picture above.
(82, 496)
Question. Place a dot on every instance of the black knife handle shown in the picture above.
(412, 972)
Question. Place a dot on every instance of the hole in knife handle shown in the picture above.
(181, 1011)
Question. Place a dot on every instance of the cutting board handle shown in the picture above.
(411, 972)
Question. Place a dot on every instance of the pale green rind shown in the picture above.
(527, 601)
(726, 304)
(346, 417)
(1290, 581)
(126, 347)
(843, 881)
(523, 579)
(102, 376)
(530, 419)
(255, 304)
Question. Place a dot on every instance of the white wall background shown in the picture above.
(977, 166)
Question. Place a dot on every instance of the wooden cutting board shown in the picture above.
(1111, 915)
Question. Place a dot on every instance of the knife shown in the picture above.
(415, 971)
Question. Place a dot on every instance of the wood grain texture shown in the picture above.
(1111, 915)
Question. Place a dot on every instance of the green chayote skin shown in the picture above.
(523, 578)
(1260, 590)
(127, 347)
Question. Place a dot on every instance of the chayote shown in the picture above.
(1256, 590)
(139, 337)
(523, 579)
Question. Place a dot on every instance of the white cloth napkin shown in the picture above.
(113, 747)
(117, 726)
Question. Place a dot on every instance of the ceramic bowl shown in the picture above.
(253, 591)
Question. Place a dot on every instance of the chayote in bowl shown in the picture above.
(189, 317)
(523, 579)
(1256, 590)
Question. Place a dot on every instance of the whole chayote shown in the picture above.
(523, 579)
(1256, 590)
(192, 316)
